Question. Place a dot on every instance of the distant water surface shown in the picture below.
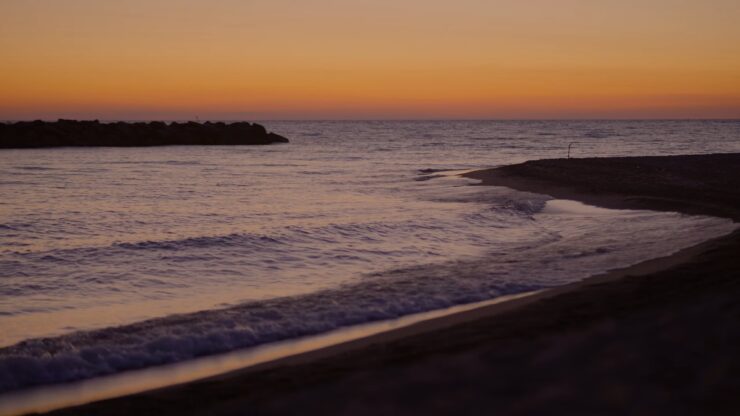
(350, 222)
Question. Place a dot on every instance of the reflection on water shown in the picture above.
(351, 222)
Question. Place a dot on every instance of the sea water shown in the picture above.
(113, 259)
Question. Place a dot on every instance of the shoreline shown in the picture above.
(449, 317)
(657, 183)
(84, 391)
(301, 381)
(210, 367)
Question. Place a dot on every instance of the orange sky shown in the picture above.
(358, 59)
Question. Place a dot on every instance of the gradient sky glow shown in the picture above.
(366, 59)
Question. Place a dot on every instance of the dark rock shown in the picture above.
(33, 134)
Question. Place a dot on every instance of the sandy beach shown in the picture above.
(657, 338)
(369, 207)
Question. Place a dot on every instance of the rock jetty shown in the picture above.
(35, 134)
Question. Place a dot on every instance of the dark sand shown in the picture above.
(662, 337)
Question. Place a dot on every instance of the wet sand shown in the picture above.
(661, 337)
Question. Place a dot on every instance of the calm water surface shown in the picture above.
(106, 253)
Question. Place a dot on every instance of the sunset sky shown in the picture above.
(369, 59)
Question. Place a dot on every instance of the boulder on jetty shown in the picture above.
(33, 134)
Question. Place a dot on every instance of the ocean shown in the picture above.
(113, 259)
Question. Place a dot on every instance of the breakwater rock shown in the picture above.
(34, 134)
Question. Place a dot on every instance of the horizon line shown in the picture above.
(232, 120)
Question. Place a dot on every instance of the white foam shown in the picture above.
(566, 206)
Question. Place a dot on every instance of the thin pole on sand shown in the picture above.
(569, 145)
